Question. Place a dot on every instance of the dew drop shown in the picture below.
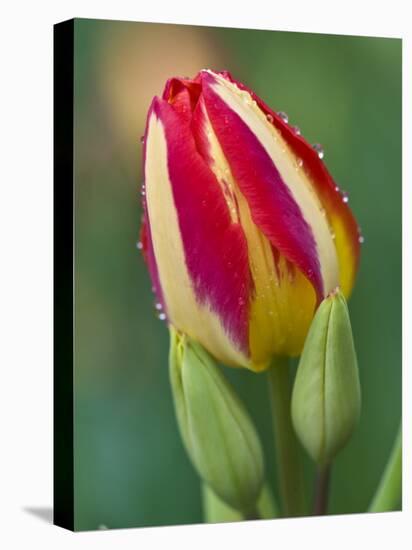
(162, 316)
(319, 149)
(139, 245)
(269, 118)
(361, 239)
(345, 197)
(158, 306)
(299, 162)
(333, 236)
(337, 189)
(296, 129)
(141, 140)
(283, 116)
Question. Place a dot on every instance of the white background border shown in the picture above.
(26, 271)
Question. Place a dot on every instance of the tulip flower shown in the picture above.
(245, 232)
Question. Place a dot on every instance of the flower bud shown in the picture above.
(215, 427)
(244, 230)
(326, 395)
(216, 511)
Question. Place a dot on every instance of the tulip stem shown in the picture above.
(290, 472)
(389, 492)
(320, 505)
(252, 514)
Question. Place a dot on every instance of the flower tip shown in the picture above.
(334, 292)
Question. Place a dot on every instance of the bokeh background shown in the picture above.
(342, 91)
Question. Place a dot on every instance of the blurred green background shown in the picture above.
(342, 91)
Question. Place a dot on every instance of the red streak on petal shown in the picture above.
(276, 260)
(272, 206)
(315, 168)
(215, 248)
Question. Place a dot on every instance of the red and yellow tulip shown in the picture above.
(244, 232)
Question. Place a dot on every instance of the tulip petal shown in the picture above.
(201, 256)
(340, 217)
(148, 254)
(283, 300)
(182, 94)
(282, 201)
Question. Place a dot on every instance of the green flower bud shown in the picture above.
(216, 511)
(215, 427)
(326, 395)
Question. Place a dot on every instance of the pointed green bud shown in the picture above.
(216, 511)
(326, 395)
(216, 429)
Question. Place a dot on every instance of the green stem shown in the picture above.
(320, 505)
(389, 492)
(290, 473)
(252, 514)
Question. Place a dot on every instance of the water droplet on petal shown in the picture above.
(299, 162)
(139, 245)
(296, 129)
(361, 239)
(283, 116)
(141, 140)
(337, 189)
(158, 306)
(345, 197)
(333, 236)
(269, 118)
(319, 149)
(162, 316)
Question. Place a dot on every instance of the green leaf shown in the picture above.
(388, 495)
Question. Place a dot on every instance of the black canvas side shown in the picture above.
(63, 492)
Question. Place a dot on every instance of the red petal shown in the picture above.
(272, 207)
(338, 212)
(215, 248)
